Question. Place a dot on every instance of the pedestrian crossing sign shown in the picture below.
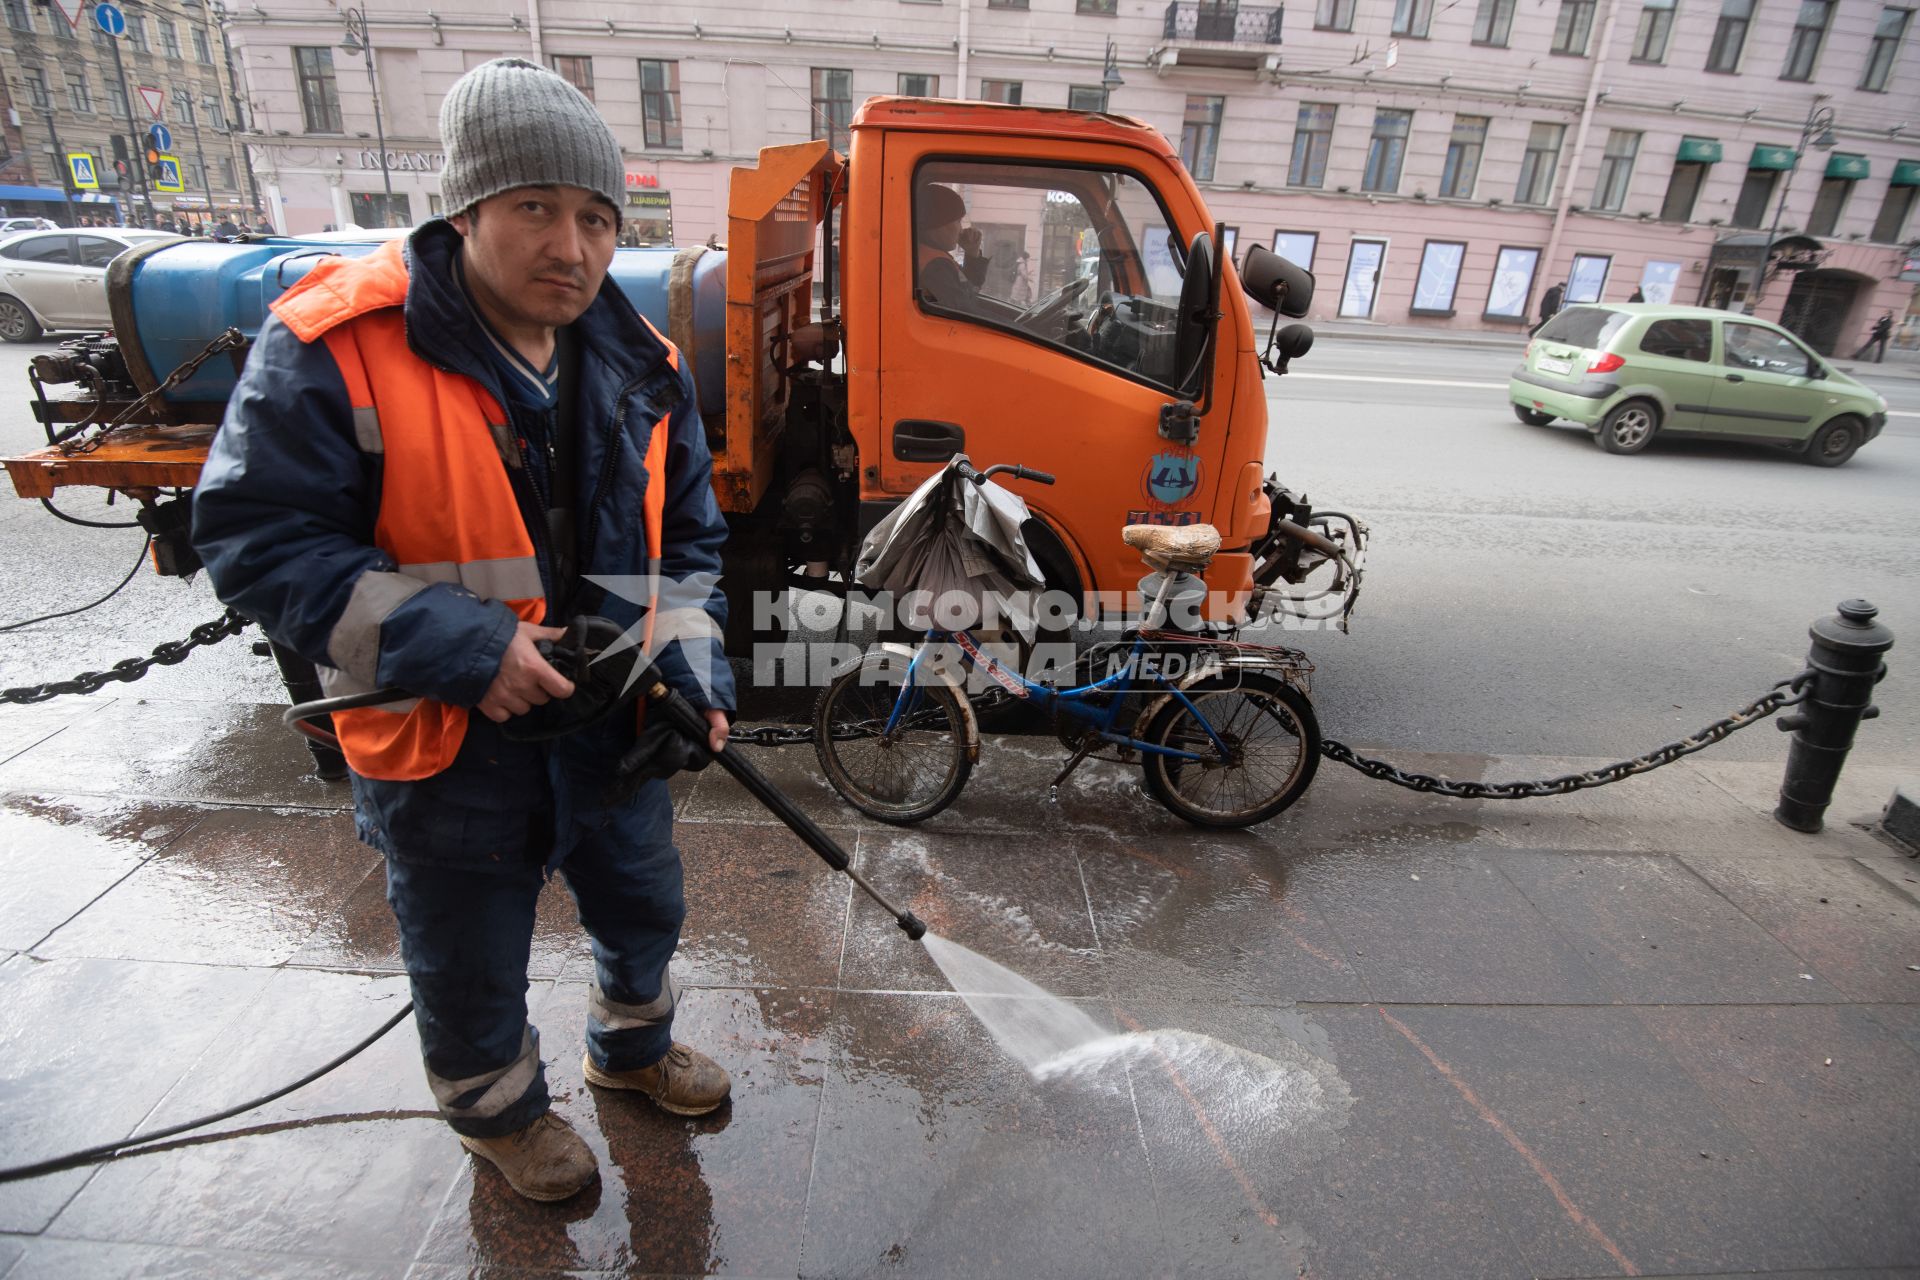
(166, 175)
(80, 166)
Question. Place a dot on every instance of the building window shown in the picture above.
(1756, 193)
(319, 95)
(1333, 15)
(377, 209)
(37, 88)
(1683, 190)
(1650, 37)
(202, 51)
(1588, 279)
(660, 103)
(833, 103)
(1809, 29)
(1106, 8)
(1297, 247)
(1463, 157)
(1828, 205)
(1086, 97)
(576, 70)
(59, 25)
(18, 16)
(169, 39)
(1312, 140)
(1387, 150)
(1886, 47)
(1200, 136)
(914, 84)
(1573, 26)
(1002, 91)
(137, 32)
(216, 113)
(1493, 22)
(100, 37)
(1616, 170)
(1006, 4)
(1538, 164)
(228, 177)
(116, 98)
(1512, 283)
(1439, 276)
(182, 107)
(1894, 209)
(78, 92)
(1412, 17)
(1730, 36)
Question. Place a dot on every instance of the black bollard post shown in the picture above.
(1845, 660)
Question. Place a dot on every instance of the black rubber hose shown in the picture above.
(68, 613)
(134, 1146)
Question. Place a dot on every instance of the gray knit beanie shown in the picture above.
(509, 123)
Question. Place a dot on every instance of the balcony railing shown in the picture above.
(1223, 22)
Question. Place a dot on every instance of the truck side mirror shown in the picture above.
(1199, 307)
(1277, 283)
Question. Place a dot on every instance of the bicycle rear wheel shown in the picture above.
(900, 777)
(1273, 748)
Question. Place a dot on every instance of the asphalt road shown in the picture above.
(1530, 593)
(1527, 593)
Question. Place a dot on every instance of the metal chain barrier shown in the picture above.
(86, 442)
(128, 670)
(1785, 693)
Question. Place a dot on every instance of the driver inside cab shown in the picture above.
(943, 282)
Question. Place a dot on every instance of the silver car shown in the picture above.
(58, 279)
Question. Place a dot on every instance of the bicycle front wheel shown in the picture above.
(902, 776)
(1272, 749)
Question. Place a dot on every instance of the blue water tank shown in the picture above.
(183, 294)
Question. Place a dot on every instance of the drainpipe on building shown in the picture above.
(1572, 172)
(961, 91)
(533, 28)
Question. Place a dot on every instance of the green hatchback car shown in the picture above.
(1632, 370)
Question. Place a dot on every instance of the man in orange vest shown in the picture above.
(436, 452)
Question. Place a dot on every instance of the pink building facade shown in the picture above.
(1437, 165)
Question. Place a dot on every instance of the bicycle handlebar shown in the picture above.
(967, 470)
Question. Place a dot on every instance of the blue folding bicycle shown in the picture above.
(1222, 730)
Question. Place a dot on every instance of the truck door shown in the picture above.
(1060, 360)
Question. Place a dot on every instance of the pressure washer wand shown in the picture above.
(665, 700)
(660, 697)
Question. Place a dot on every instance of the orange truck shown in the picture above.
(1073, 317)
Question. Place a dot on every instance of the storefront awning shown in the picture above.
(1906, 173)
(52, 195)
(1766, 156)
(1851, 167)
(1698, 151)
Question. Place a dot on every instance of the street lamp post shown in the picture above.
(1110, 76)
(1817, 131)
(358, 41)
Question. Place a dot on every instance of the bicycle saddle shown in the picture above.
(1187, 546)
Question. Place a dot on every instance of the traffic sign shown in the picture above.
(155, 100)
(80, 165)
(70, 11)
(167, 175)
(111, 20)
(160, 136)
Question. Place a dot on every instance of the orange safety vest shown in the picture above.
(447, 507)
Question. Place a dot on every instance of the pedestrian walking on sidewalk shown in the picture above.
(401, 493)
(1549, 306)
(1877, 339)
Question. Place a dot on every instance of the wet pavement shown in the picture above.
(1638, 1031)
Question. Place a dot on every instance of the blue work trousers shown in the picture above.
(466, 932)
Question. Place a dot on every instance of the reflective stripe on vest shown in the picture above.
(442, 437)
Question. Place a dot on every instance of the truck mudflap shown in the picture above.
(1309, 564)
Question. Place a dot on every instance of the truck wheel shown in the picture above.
(1629, 427)
(1532, 417)
(1834, 443)
(16, 322)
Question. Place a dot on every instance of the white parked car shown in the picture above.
(58, 279)
(9, 226)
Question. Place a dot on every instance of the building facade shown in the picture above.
(1435, 165)
(69, 95)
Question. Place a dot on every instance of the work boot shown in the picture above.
(685, 1082)
(544, 1161)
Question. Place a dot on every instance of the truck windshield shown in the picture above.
(1078, 258)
